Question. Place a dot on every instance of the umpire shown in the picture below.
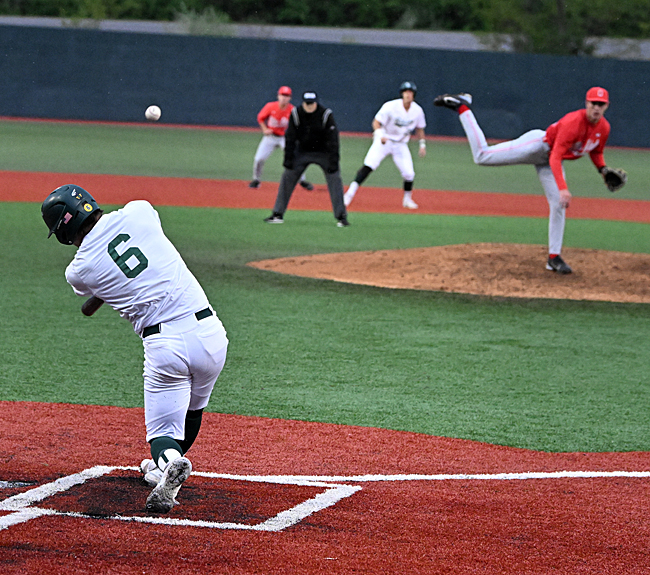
(311, 138)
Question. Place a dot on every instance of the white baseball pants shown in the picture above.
(401, 156)
(264, 150)
(181, 365)
(530, 148)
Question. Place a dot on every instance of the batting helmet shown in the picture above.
(408, 86)
(65, 210)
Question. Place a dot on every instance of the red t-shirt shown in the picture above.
(274, 117)
(572, 137)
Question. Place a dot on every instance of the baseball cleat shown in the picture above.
(163, 496)
(409, 204)
(307, 185)
(453, 101)
(343, 222)
(254, 184)
(557, 264)
(274, 219)
(151, 473)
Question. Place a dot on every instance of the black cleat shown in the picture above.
(453, 101)
(343, 222)
(557, 264)
(307, 185)
(274, 218)
(254, 184)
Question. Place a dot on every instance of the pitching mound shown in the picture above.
(506, 270)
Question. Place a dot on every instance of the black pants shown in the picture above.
(290, 179)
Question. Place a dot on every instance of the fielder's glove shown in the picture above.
(615, 178)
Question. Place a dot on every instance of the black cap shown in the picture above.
(310, 97)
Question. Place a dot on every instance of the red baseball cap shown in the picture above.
(597, 94)
(284, 91)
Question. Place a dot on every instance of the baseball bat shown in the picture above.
(91, 305)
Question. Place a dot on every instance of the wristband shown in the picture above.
(423, 143)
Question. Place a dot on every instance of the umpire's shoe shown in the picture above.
(557, 264)
(274, 218)
(307, 185)
(163, 496)
(254, 184)
(453, 101)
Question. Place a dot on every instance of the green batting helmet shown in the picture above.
(408, 86)
(65, 210)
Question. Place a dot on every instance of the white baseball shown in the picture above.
(152, 113)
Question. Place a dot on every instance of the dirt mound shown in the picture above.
(508, 270)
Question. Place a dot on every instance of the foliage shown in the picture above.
(542, 26)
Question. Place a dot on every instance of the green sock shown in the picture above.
(192, 426)
(162, 450)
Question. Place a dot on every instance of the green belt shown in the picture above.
(153, 329)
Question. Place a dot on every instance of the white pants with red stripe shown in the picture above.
(530, 148)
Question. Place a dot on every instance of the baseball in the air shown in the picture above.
(152, 113)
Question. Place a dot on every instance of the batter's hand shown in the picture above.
(565, 198)
(91, 305)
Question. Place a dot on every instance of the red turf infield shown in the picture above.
(425, 525)
(33, 186)
(451, 526)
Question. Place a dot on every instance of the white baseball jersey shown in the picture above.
(398, 122)
(127, 261)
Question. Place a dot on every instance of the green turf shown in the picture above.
(159, 150)
(550, 375)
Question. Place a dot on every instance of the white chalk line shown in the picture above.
(21, 504)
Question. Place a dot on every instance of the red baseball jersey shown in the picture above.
(275, 118)
(572, 137)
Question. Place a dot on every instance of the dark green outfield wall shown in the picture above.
(97, 75)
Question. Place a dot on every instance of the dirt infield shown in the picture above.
(508, 270)
(276, 497)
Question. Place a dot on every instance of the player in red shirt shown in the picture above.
(273, 119)
(578, 133)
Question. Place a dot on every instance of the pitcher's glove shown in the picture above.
(615, 178)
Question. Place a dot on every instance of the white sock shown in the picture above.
(407, 195)
(354, 186)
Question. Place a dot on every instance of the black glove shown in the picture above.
(615, 178)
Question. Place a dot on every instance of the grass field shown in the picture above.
(541, 374)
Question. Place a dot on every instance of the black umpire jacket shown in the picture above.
(315, 132)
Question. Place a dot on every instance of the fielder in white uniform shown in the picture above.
(125, 260)
(392, 126)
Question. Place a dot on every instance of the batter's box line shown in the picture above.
(23, 510)
(22, 503)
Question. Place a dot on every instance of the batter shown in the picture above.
(392, 127)
(576, 134)
(125, 259)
